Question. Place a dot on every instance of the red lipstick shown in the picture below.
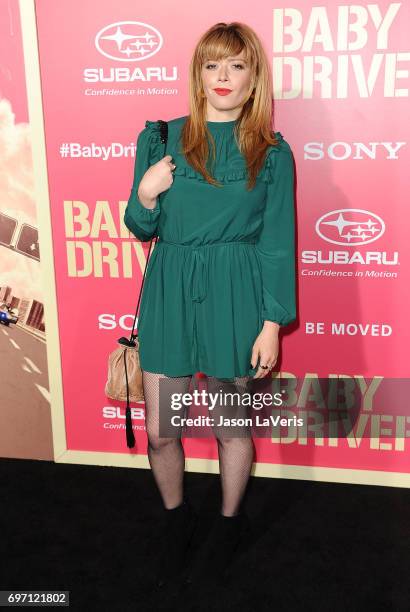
(222, 91)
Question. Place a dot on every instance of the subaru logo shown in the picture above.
(350, 226)
(128, 41)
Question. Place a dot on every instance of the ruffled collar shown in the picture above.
(237, 170)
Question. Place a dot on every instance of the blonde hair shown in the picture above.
(253, 130)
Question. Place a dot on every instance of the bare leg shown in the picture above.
(235, 454)
(165, 455)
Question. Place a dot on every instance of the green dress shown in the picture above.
(225, 258)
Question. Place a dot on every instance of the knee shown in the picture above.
(156, 443)
(225, 442)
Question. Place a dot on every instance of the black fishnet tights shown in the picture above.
(166, 455)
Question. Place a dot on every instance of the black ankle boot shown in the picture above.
(216, 554)
(179, 525)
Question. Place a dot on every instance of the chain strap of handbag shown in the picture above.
(163, 126)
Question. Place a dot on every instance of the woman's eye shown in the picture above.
(240, 66)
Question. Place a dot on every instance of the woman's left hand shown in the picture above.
(266, 347)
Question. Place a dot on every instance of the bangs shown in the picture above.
(221, 44)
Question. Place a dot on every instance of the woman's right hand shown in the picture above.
(157, 178)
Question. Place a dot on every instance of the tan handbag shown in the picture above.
(124, 381)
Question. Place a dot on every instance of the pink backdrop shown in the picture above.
(342, 102)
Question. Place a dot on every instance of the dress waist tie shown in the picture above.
(198, 273)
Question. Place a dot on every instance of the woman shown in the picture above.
(221, 280)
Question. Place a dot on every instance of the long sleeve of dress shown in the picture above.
(141, 221)
(276, 243)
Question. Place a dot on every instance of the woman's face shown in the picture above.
(226, 83)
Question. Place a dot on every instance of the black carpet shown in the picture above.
(93, 531)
